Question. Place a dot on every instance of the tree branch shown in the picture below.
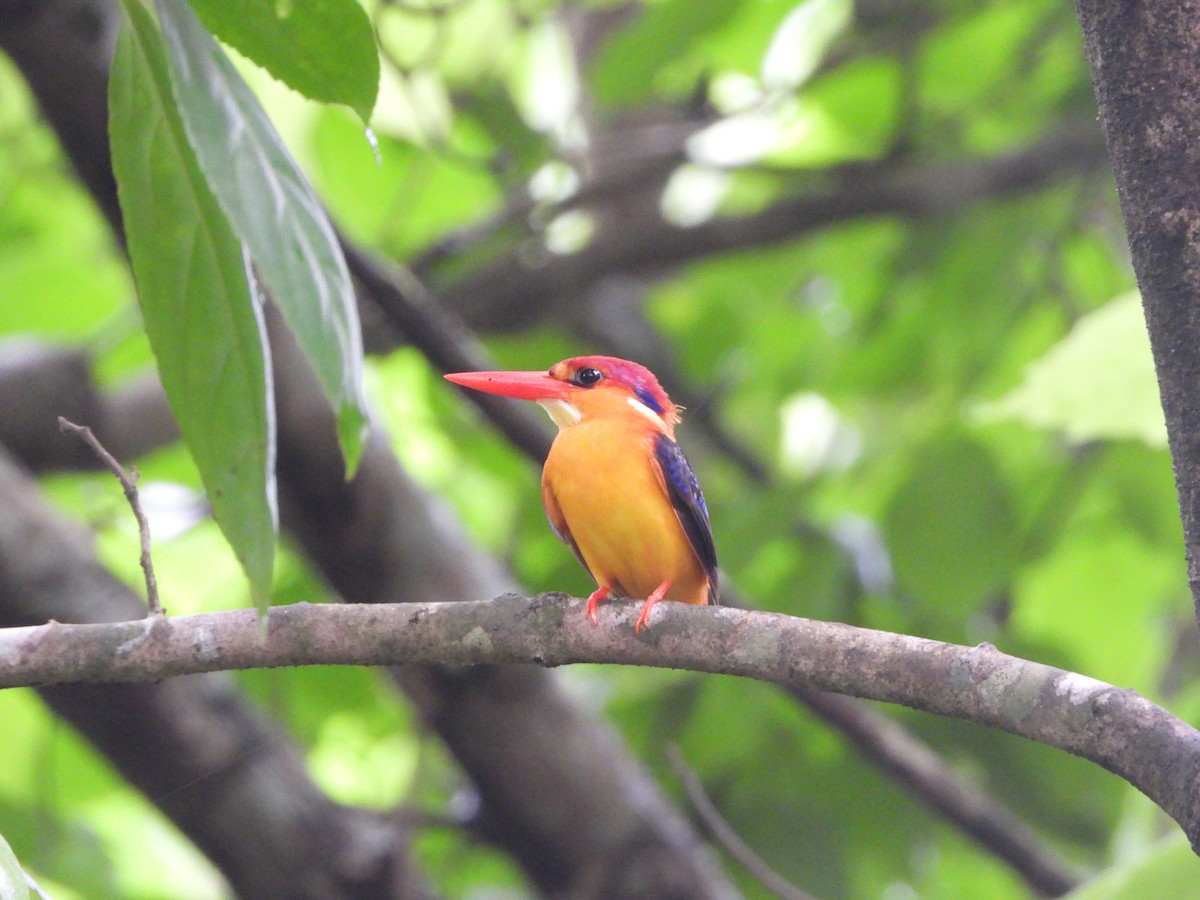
(510, 293)
(580, 802)
(1118, 729)
(917, 766)
(317, 539)
(228, 777)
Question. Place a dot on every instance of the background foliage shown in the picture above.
(932, 414)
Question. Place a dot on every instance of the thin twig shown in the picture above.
(722, 832)
(128, 482)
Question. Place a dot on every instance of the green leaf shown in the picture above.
(203, 323)
(952, 530)
(325, 49)
(1097, 383)
(13, 885)
(274, 211)
(628, 65)
(1093, 576)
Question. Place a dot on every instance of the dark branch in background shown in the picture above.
(722, 832)
(579, 815)
(927, 777)
(445, 341)
(343, 568)
(1145, 60)
(128, 482)
(39, 382)
(230, 780)
(1120, 730)
(70, 83)
(510, 294)
(578, 802)
(918, 767)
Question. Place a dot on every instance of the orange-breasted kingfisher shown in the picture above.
(616, 487)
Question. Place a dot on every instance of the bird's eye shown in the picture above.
(587, 377)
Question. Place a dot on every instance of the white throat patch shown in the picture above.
(563, 413)
(644, 410)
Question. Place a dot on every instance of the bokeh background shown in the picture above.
(874, 248)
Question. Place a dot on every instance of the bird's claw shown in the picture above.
(644, 616)
(600, 593)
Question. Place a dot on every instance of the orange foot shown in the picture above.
(644, 615)
(600, 593)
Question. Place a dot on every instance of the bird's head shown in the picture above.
(583, 387)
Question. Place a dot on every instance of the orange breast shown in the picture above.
(602, 477)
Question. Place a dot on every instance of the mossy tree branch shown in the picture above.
(1118, 729)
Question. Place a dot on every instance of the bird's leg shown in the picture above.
(644, 615)
(600, 593)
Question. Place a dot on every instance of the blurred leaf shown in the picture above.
(325, 49)
(1165, 870)
(1092, 267)
(852, 113)
(13, 885)
(43, 217)
(519, 148)
(152, 858)
(1097, 383)
(468, 42)
(802, 40)
(1095, 596)
(996, 533)
(1143, 490)
(626, 69)
(365, 202)
(274, 211)
(988, 37)
(204, 325)
(951, 530)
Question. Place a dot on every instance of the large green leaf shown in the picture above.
(1094, 576)
(203, 323)
(1097, 383)
(274, 211)
(952, 530)
(325, 49)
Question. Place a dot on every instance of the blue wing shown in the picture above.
(688, 500)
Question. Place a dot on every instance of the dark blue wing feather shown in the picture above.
(688, 500)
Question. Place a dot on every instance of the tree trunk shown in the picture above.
(1145, 60)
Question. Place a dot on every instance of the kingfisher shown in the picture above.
(616, 487)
